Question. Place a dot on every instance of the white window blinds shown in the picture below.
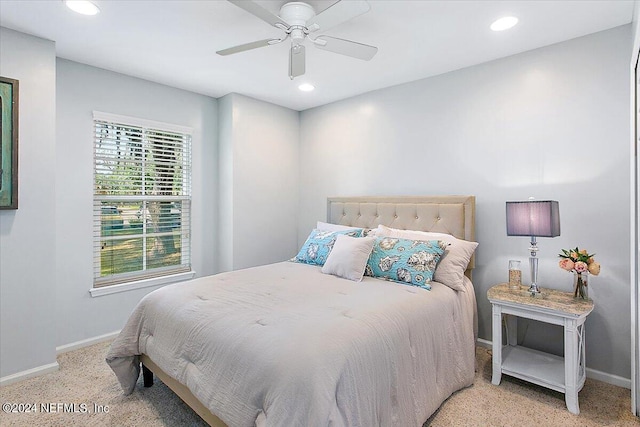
(142, 199)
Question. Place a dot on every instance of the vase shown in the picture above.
(515, 275)
(581, 285)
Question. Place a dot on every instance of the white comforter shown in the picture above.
(285, 345)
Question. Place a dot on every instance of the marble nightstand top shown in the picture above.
(551, 299)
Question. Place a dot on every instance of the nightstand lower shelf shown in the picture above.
(534, 366)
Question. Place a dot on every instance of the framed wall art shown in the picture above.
(9, 152)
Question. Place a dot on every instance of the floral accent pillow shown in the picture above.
(318, 245)
(454, 261)
(405, 261)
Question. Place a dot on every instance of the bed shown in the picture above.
(285, 344)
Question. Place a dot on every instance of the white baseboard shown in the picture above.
(29, 373)
(591, 373)
(52, 367)
(85, 343)
(609, 378)
(484, 343)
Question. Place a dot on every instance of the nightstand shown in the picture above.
(564, 374)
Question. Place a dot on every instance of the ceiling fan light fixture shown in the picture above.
(504, 23)
(306, 87)
(298, 20)
(83, 7)
(297, 13)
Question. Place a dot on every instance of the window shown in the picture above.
(141, 199)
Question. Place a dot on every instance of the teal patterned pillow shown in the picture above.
(319, 244)
(405, 261)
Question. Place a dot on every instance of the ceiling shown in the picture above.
(174, 42)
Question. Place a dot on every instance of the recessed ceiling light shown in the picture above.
(306, 87)
(82, 6)
(504, 23)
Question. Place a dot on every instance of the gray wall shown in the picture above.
(82, 89)
(225, 183)
(551, 123)
(258, 182)
(28, 235)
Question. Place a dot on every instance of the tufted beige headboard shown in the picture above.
(453, 215)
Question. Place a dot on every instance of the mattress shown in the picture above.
(284, 345)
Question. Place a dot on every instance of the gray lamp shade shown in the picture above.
(539, 218)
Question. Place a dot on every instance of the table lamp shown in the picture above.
(534, 218)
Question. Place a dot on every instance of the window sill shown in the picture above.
(139, 284)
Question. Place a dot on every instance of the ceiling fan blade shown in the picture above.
(248, 46)
(259, 11)
(338, 13)
(296, 61)
(346, 47)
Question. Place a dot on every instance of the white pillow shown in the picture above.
(325, 226)
(349, 257)
(453, 263)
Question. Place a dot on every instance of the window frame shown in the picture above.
(139, 279)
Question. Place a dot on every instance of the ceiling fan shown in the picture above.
(298, 20)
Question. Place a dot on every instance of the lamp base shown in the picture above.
(538, 293)
(533, 265)
(525, 294)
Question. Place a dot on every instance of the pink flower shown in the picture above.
(578, 261)
(580, 267)
(566, 264)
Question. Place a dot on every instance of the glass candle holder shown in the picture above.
(515, 274)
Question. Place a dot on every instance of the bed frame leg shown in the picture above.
(147, 376)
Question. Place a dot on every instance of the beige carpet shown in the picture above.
(84, 378)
